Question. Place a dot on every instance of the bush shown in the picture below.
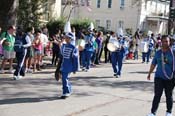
(59, 24)
(54, 25)
(81, 24)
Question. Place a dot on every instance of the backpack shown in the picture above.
(18, 45)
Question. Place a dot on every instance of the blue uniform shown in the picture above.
(117, 58)
(69, 64)
(20, 56)
(150, 48)
(88, 51)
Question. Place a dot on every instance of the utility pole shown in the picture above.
(171, 20)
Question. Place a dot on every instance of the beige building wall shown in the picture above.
(128, 14)
(132, 15)
(56, 9)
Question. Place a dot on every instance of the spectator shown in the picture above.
(164, 80)
(8, 41)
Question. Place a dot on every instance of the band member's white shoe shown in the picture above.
(168, 114)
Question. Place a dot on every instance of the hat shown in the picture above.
(69, 35)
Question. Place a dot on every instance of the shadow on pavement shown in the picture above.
(140, 72)
(26, 100)
(44, 72)
(118, 83)
(36, 88)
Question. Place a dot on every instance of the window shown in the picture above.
(64, 2)
(97, 22)
(122, 4)
(108, 24)
(68, 2)
(82, 2)
(120, 24)
(88, 2)
(98, 3)
(109, 3)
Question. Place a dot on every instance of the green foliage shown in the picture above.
(59, 24)
(80, 24)
(29, 12)
(54, 25)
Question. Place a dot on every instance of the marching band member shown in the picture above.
(147, 47)
(164, 76)
(117, 55)
(69, 63)
(88, 51)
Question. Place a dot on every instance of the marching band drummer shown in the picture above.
(117, 55)
(148, 47)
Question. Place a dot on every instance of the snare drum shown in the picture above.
(81, 46)
(113, 46)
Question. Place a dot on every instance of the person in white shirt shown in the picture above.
(44, 41)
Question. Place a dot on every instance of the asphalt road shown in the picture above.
(95, 93)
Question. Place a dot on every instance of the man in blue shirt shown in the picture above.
(164, 80)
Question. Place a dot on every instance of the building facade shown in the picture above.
(52, 10)
(122, 14)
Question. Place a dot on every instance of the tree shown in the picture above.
(30, 12)
(8, 15)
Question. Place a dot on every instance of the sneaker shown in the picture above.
(64, 96)
(11, 71)
(83, 69)
(15, 77)
(26, 70)
(2, 71)
(19, 77)
(151, 114)
(115, 74)
(168, 114)
(30, 71)
(39, 69)
(86, 70)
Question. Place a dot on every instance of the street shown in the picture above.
(95, 93)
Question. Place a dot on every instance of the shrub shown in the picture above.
(78, 24)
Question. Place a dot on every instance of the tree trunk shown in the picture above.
(8, 13)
